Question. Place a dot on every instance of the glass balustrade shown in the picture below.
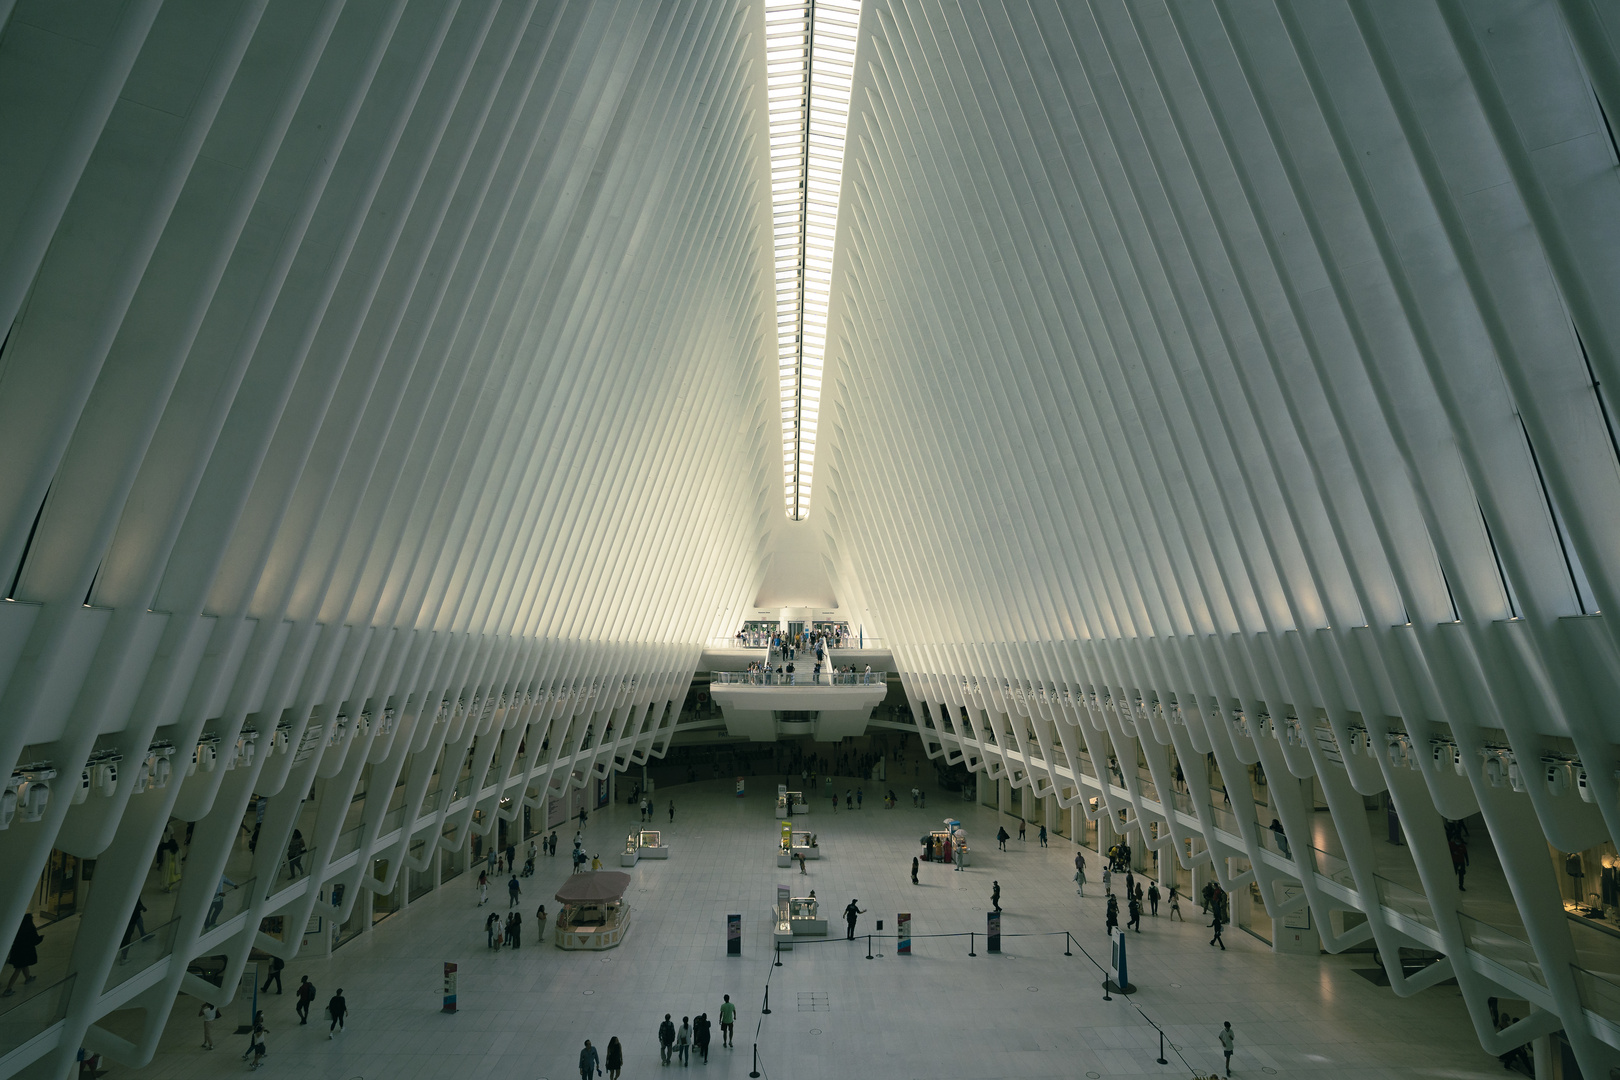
(23, 1018)
(1506, 947)
(1599, 993)
(798, 678)
(142, 952)
(1404, 901)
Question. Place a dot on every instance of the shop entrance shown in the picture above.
(58, 894)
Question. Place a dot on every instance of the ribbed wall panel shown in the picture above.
(1222, 362)
(390, 394)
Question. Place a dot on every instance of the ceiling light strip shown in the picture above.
(809, 69)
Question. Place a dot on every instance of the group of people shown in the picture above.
(1002, 835)
(337, 1010)
(647, 809)
(510, 930)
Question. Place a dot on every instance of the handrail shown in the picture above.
(799, 678)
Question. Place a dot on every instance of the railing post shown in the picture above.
(755, 1074)
(766, 1011)
(869, 946)
(970, 945)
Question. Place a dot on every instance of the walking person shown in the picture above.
(1175, 904)
(209, 1014)
(914, 870)
(1002, 836)
(1227, 1038)
(1130, 885)
(1022, 826)
(1217, 925)
(492, 928)
(1111, 918)
(24, 953)
(514, 929)
(1459, 861)
(1041, 836)
(513, 892)
(672, 810)
(589, 1063)
(700, 1036)
(305, 995)
(728, 1021)
(995, 895)
(1108, 879)
(337, 1009)
(552, 844)
(256, 1045)
(615, 1058)
(540, 930)
(1153, 899)
(666, 1040)
(683, 1041)
(483, 887)
(851, 913)
(276, 966)
(1135, 922)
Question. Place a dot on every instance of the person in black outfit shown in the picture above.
(1136, 916)
(700, 1034)
(276, 964)
(914, 869)
(306, 998)
(995, 895)
(337, 1009)
(850, 915)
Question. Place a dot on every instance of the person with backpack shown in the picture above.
(306, 997)
(209, 1014)
(666, 1040)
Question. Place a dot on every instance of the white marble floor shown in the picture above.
(1030, 1012)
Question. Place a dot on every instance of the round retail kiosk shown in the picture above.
(593, 913)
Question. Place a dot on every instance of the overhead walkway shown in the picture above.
(764, 706)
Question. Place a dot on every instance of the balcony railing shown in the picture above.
(798, 678)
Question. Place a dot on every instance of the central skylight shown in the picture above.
(809, 64)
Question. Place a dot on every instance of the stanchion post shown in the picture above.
(1162, 1059)
(869, 946)
(778, 954)
(766, 1011)
(1066, 944)
(970, 945)
(1105, 990)
(755, 1073)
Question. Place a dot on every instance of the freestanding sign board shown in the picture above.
(902, 926)
(733, 935)
(449, 987)
(992, 932)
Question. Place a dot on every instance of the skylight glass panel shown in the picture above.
(810, 68)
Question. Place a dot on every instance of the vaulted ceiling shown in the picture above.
(1225, 358)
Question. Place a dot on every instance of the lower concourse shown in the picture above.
(939, 1013)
